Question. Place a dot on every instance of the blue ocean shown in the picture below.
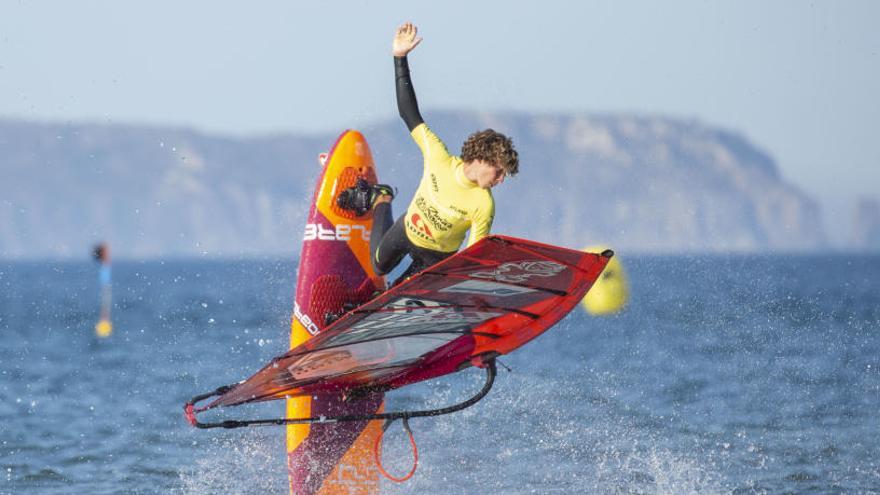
(725, 374)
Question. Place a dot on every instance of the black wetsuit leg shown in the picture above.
(421, 258)
(388, 242)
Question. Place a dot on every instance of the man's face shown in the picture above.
(488, 174)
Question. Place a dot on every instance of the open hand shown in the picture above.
(405, 40)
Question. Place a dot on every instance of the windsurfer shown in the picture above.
(454, 194)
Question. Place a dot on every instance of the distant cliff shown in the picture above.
(636, 183)
(866, 225)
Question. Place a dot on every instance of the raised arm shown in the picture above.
(405, 40)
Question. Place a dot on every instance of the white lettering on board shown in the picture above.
(342, 232)
(304, 320)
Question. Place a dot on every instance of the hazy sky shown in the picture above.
(800, 79)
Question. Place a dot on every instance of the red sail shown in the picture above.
(485, 301)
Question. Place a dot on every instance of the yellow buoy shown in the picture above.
(104, 328)
(610, 292)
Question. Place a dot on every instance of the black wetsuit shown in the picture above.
(388, 240)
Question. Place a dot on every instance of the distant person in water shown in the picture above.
(454, 195)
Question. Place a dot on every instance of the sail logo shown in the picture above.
(314, 364)
(409, 316)
(342, 232)
(521, 271)
(486, 288)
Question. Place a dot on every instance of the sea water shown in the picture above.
(725, 374)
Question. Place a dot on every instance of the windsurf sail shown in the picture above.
(480, 303)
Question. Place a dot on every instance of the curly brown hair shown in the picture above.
(492, 147)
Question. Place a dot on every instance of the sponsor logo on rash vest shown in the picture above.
(420, 225)
(432, 215)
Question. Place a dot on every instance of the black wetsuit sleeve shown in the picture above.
(406, 96)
